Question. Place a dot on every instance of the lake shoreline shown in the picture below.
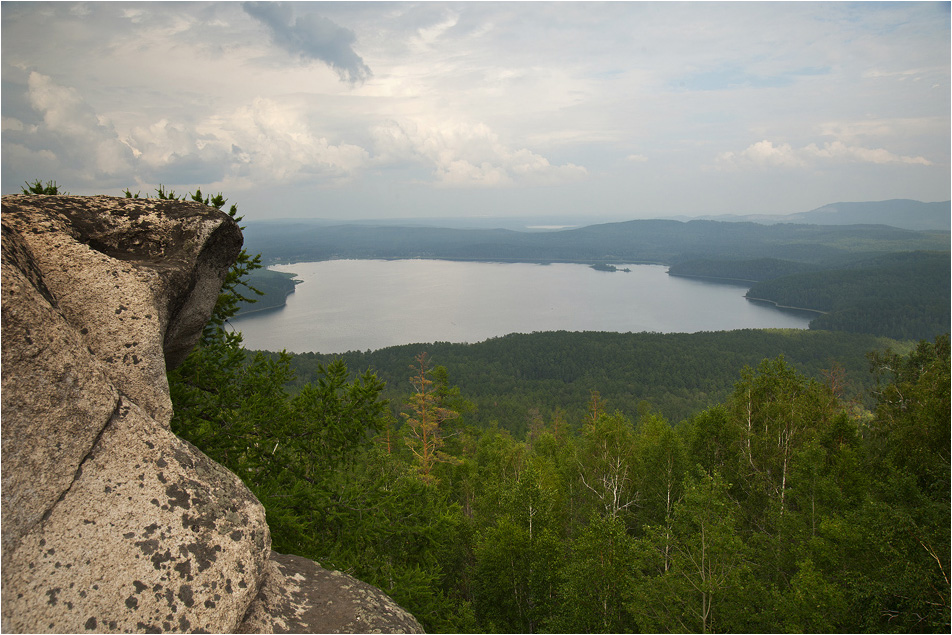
(262, 309)
(502, 261)
(784, 306)
(367, 304)
(742, 282)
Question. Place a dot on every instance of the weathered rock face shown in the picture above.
(111, 522)
(300, 596)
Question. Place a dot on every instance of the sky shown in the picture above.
(375, 110)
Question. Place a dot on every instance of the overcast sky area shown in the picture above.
(377, 110)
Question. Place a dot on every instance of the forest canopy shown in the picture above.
(786, 506)
(782, 481)
(554, 372)
(903, 295)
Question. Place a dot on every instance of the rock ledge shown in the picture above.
(110, 522)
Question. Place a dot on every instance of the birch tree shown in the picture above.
(608, 465)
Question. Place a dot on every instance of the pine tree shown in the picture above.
(424, 436)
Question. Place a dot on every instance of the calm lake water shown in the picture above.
(344, 305)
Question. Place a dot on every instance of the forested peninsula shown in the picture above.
(903, 295)
(272, 287)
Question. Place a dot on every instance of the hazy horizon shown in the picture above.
(393, 110)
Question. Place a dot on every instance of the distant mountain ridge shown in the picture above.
(901, 212)
(639, 241)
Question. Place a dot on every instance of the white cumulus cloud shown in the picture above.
(70, 130)
(837, 150)
(766, 154)
(762, 154)
(462, 154)
(272, 141)
(262, 142)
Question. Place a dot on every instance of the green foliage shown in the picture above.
(909, 445)
(741, 270)
(311, 460)
(775, 411)
(697, 588)
(913, 424)
(599, 581)
(288, 449)
(709, 555)
(679, 374)
(798, 516)
(393, 530)
(608, 466)
(814, 603)
(38, 187)
(518, 559)
(664, 462)
(903, 296)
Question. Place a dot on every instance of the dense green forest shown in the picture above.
(750, 481)
(785, 507)
(901, 295)
(552, 374)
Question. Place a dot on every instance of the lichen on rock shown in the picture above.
(299, 594)
(110, 522)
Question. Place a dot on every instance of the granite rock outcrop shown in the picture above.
(111, 523)
(300, 596)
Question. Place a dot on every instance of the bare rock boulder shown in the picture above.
(300, 596)
(111, 523)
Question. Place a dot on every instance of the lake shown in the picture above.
(344, 305)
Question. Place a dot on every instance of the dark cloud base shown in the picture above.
(312, 37)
